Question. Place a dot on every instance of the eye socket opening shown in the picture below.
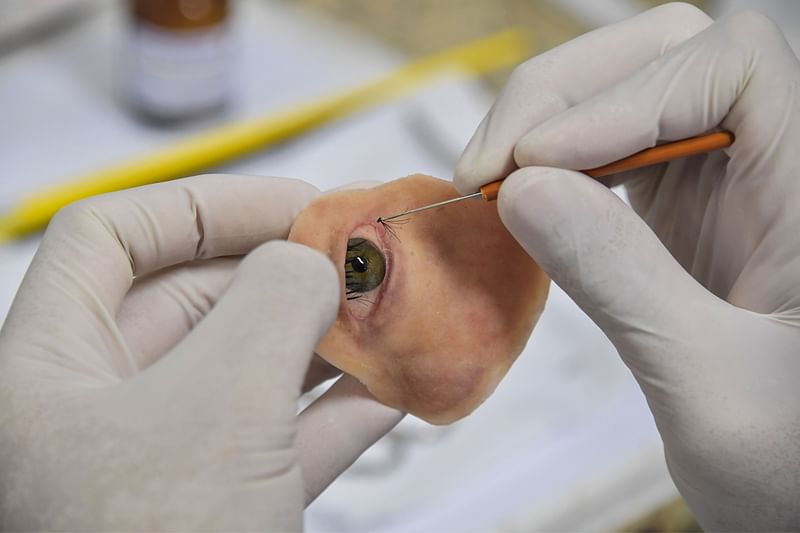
(364, 268)
(367, 265)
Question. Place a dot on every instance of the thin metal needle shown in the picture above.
(439, 204)
(649, 156)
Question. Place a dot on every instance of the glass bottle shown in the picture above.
(177, 58)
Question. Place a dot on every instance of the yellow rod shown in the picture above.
(213, 147)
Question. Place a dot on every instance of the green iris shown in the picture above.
(364, 268)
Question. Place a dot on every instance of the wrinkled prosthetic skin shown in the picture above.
(450, 299)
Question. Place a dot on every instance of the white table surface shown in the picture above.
(566, 442)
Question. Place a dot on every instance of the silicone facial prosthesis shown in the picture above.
(434, 308)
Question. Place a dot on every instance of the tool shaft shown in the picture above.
(650, 156)
(424, 208)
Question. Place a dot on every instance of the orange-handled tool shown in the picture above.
(650, 156)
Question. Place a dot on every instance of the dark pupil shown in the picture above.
(359, 264)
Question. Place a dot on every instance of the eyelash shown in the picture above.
(392, 227)
(351, 286)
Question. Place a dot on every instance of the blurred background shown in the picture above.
(90, 89)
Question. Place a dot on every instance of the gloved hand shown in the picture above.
(698, 292)
(149, 376)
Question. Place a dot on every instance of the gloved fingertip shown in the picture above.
(557, 216)
(559, 143)
(304, 192)
(522, 152)
(294, 276)
(481, 163)
(532, 203)
(465, 179)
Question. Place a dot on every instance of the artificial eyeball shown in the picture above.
(364, 267)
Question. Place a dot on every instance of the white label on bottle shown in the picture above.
(175, 73)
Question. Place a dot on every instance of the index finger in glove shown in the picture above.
(734, 74)
(560, 78)
(93, 249)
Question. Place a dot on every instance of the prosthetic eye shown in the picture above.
(364, 268)
(434, 308)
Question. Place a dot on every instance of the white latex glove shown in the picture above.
(169, 401)
(697, 286)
